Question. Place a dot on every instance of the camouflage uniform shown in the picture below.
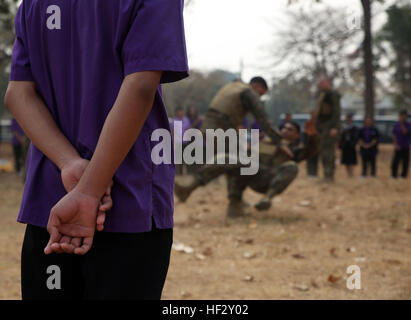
(328, 113)
(231, 104)
(227, 111)
(277, 171)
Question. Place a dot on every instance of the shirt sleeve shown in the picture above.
(156, 40)
(20, 62)
(252, 103)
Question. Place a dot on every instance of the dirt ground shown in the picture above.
(299, 249)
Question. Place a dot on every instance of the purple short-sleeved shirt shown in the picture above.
(78, 52)
(403, 140)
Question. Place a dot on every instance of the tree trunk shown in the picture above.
(369, 96)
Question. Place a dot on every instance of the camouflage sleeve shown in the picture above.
(310, 149)
(335, 120)
(253, 104)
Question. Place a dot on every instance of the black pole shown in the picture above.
(369, 96)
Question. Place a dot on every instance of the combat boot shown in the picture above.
(237, 209)
(183, 190)
(263, 204)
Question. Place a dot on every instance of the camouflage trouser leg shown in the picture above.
(327, 152)
(236, 184)
(283, 177)
(209, 172)
(312, 166)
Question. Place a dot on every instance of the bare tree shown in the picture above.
(369, 96)
(314, 43)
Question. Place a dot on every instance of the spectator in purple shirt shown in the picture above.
(402, 141)
(19, 142)
(178, 137)
(368, 139)
(288, 118)
(195, 120)
(256, 125)
(85, 87)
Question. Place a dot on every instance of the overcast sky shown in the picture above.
(221, 33)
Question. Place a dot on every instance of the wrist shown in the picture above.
(68, 161)
(88, 191)
(90, 185)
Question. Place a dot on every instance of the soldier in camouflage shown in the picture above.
(328, 115)
(278, 169)
(227, 111)
(234, 101)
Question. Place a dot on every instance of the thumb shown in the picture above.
(52, 228)
(55, 237)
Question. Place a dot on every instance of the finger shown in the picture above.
(56, 247)
(106, 203)
(55, 237)
(65, 239)
(76, 242)
(87, 243)
(67, 248)
(101, 218)
(108, 191)
(65, 244)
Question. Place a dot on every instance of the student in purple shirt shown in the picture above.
(368, 138)
(185, 125)
(402, 141)
(85, 87)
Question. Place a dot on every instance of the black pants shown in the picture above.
(369, 161)
(18, 157)
(402, 155)
(118, 266)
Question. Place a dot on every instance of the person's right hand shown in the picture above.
(72, 224)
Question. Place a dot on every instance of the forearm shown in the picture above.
(120, 131)
(254, 105)
(31, 113)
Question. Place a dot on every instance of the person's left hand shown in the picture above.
(72, 224)
(71, 174)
